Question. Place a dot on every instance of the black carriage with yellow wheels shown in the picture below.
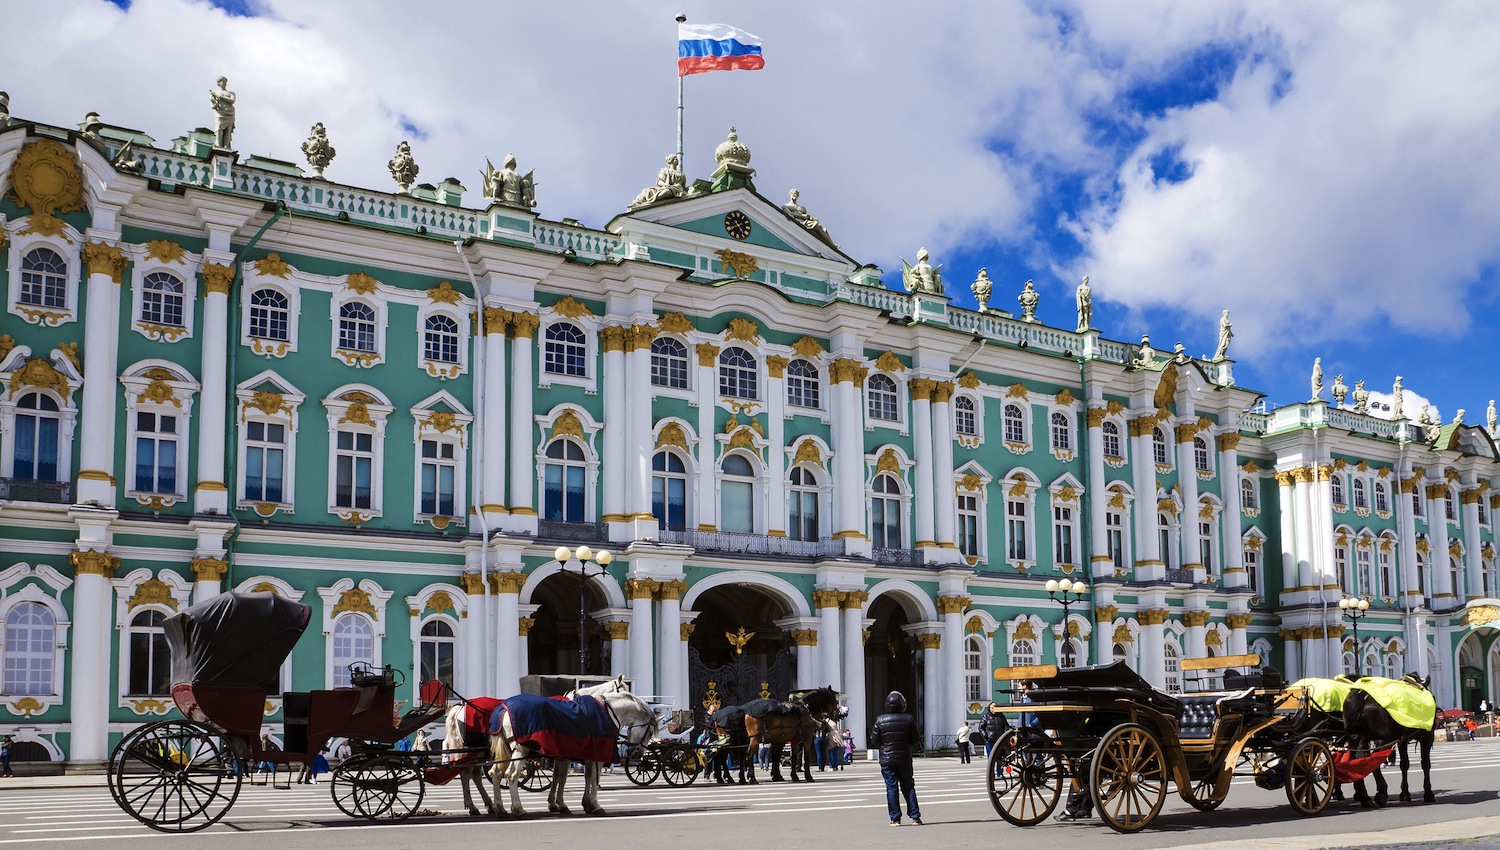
(1105, 731)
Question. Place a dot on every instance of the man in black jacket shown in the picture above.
(895, 734)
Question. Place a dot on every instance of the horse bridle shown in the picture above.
(625, 728)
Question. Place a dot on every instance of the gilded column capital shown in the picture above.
(1335, 631)
(1237, 621)
(1229, 442)
(617, 630)
(209, 569)
(942, 392)
(855, 599)
(708, 354)
(90, 562)
(1096, 417)
(1106, 613)
(472, 583)
(920, 388)
(641, 588)
(496, 320)
(1471, 497)
(105, 259)
(523, 325)
(685, 631)
(1195, 618)
(1286, 478)
(1142, 426)
(804, 637)
(217, 279)
(776, 366)
(1437, 491)
(1153, 616)
(671, 590)
(828, 598)
(614, 337)
(507, 582)
(1289, 634)
(641, 336)
(931, 640)
(524, 624)
(952, 604)
(845, 369)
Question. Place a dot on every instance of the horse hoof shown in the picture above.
(1429, 797)
(778, 779)
(1366, 803)
(1338, 794)
(473, 812)
(1405, 797)
(1381, 800)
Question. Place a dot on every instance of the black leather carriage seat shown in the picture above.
(1201, 711)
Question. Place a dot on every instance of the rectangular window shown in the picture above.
(1114, 537)
(1387, 585)
(265, 449)
(1362, 561)
(1206, 546)
(738, 507)
(885, 523)
(1016, 526)
(1062, 535)
(36, 448)
(968, 525)
(439, 469)
(669, 502)
(354, 467)
(155, 453)
(802, 515)
(801, 391)
(1252, 569)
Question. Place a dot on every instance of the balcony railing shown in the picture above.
(25, 490)
(897, 557)
(753, 544)
(570, 532)
(1179, 576)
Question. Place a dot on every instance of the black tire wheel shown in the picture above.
(1026, 774)
(1309, 776)
(538, 774)
(380, 785)
(174, 776)
(680, 766)
(1129, 777)
(1208, 793)
(643, 766)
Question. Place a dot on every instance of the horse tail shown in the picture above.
(453, 728)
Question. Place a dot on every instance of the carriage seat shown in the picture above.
(1201, 711)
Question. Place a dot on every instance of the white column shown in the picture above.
(944, 501)
(101, 344)
(522, 429)
(1443, 592)
(1292, 642)
(1286, 510)
(492, 460)
(708, 461)
(1473, 564)
(923, 522)
(1239, 643)
(952, 608)
(1149, 563)
(93, 636)
(642, 422)
(1100, 565)
(1187, 479)
(854, 663)
(615, 386)
(829, 661)
(208, 574)
(1229, 522)
(642, 637)
(508, 655)
(475, 679)
(1153, 666)
(1406, 525)
(848, 466)
(1308, 578)
(669, 643)
(618, 632)
(1197, 623)
(806, 643)
(776, 512)
(211, 492)
(934, 716)
(523, 631)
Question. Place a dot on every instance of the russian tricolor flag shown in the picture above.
(716, 47)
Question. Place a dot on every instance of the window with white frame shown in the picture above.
(1249, 498)
(1063, 531)
(30, 654)
(44, 279)
(802, 505)
(150, 665)
(974, 669)
(1252, 567)
(156, 443)
(669, 491)
(265, 461)
(885, 512)
(1014, 419)
(357, 330)
(353, 643)
(1159, 453)
(437, 649)
(968, 524)
(1023, 652)
(1173, 657)
(440, 339)
(1062, 432)
(1385, 573)
(880, 392)
(1119, 652)
(964, 420)
(1361, 495)
(439, 473)
(739, 374)
(162, 299)
(1484, 510)
(35, 454)
(1341, 567)
(1112, 446)
(563, 476)
(565, 350)
(1336, 487)
(1487, 566)
(1382, 497)
(737, 495)
(354, 469)
(669, 363)
(1069, 653)
(1417, 507)
(1449, 508)
(1424, 570)
(1165, 538)
(1455, 579)
(1201, 459)
(1366, 572)
(1017, 529)
(270, 315)
(1114, 537)
(802, 384)
(1348, 663)
(1206, 544)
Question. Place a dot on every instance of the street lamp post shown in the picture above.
(585, 556)
(1355, 609)
(1072, 594)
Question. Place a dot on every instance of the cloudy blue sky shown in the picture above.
(1326, 171)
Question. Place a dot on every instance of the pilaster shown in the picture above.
(106, 264)
(523, 518)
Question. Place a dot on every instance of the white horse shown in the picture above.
(456, 731)
(637, 725)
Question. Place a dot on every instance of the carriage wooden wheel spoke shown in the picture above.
(680, 765)
(537, 775)
(1025, 776)
(1208, 793)
(174, 776)
(1309, 777)
(382, 785)
(1129, 777)
(643, 765)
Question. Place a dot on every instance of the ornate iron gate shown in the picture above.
(739, 681)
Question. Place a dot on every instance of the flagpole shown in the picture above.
(681, 18)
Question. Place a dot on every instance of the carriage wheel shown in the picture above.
(643, 765)
(1309, 776)
(1025, 776)
(1206, 794)
(680, 766)
(538, 774)
(174, 776)
(1129, 777)
(378, 785)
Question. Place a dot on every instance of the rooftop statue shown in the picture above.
(404, 169)
(1340, 391)
(982, 289)
(1226, 333)
(1317, 378)
(1458, 418)
(91, 127)
(1425, 417)
(126, 161)
(670, 183)
(798, 213)
(922, 278)
(509, 186)
(317, 150)
(1490, 418)
(1028, 299)
(1085, 305)
(1179, 353)
(1147, 355)
(223, 102)
(1361, 398)
(4, 110)
(1396, 399)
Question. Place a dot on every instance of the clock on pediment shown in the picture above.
(737, 224)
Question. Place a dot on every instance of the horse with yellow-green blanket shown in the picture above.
(1380, 713)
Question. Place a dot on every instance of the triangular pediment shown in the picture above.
(719, 219)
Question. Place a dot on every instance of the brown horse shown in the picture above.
(793, 723)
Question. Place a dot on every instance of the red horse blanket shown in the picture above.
(579, 729)
(477, 713)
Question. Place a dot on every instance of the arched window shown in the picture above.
(885, 512)
(974, 669)
(1341, 568)
(30, 650)
(440, 339)
(1062, 432)
(1200, 455)
(669, 491)
(1120, 653)
(1249, 498)
(269, 315)
(1022, 652)
(738, 375)
(963, 416)
(565, 351)
(1159, 448)
(882, 398)
(1454, 579)
(737, 495)
(1418, 504)
(36, 438)
(162, 299)
(1069, 653)
(1336, 486)
(802, 384)
(1015, 424)
(1172, 655)
(1252, 566)
(353, 642)
(1387, 579)
(357, 327)
(1448, 507)
(1164, 539)
(1348, 663)
(802, 505)
(563, 482)
(150, 664)
(436, 650)
(44, 278)
(1361, 497)
(1111, 433)
(1382, 497)
(669, 363)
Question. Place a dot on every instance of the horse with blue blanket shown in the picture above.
(585, 726)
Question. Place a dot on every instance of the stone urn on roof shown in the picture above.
(733, 157)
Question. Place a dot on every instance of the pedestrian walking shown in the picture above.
(994, 724)
(895, 735)
(964, 732)
(848, 746)
(319, 765)
(6, 743)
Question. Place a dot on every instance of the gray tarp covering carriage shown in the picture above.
(235, 640)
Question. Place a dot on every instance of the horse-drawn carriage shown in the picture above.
(1105, 731)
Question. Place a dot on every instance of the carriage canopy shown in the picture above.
(235, 640)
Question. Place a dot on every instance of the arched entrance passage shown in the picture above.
(893, 659)
(1477, 667)
(736, 652)
(552, 642)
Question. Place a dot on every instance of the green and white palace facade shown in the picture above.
(217, 373)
